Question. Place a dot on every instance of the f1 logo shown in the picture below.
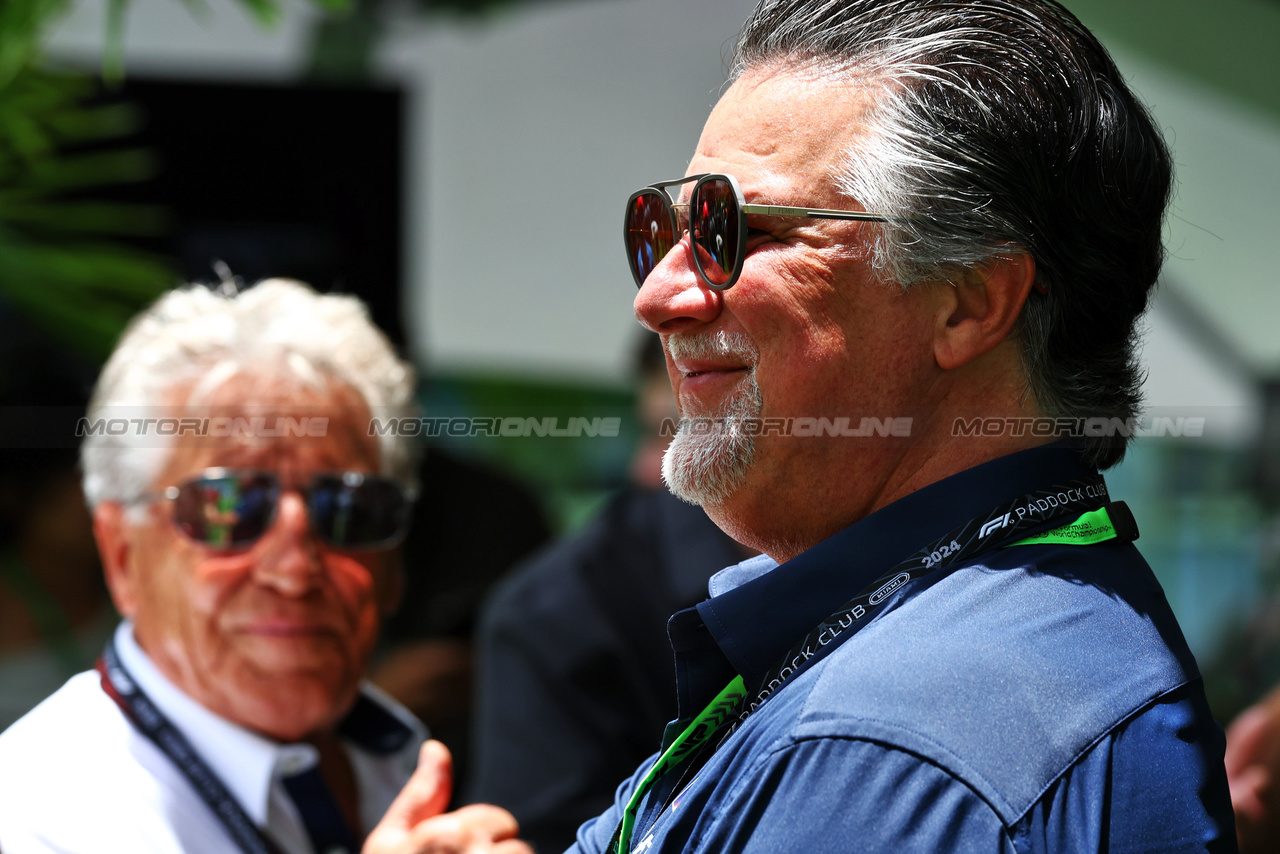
(998, 522)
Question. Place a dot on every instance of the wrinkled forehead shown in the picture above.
(267, 420)
(777, 127)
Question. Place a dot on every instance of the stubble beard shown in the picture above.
(712, 452)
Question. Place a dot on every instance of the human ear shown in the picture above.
(112, 533)
(981, 307)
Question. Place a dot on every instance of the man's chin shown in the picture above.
(296, 713)
(707, 469)
(286, 703)
(712, 452)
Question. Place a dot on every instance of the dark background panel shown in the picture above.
(297, 181)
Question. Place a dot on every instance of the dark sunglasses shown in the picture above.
(716, 219)
(228, 509)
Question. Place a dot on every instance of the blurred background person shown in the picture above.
(247, 521)
(1253, 772)
(471, 524)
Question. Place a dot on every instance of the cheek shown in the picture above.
(181, 580)
(828, 343)
(216, 580)
(357, 585)
(794, 295)
(799, 323)
(178, 619)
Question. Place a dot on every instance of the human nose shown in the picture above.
(289, 560)
(673, 297)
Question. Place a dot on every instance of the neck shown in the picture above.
(859, 479)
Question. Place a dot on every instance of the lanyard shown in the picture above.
(1005, 526)
(707, 723)
(151, 722)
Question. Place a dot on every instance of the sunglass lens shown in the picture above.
(358, 512)
(226, 512)
(649, 233)
(714, 229)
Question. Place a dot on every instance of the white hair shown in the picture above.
(198, 336)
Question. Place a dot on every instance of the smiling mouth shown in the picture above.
(702, 390)
(287, 629)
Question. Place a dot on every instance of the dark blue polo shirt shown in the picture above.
(1032, 699)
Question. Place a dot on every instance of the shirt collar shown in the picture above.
(248, 764)
(756, 614)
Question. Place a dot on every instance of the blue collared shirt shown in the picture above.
(1034, 699)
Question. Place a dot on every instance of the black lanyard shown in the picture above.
(1005, 525)
(151, 722)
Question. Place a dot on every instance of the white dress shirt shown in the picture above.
(76, 776)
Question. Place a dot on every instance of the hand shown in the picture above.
(416, 823)
(1253, 773)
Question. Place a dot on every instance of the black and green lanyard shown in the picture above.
(1006, 526)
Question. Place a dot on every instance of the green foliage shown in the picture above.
(62, 262)
(57, 264)
(22, 24)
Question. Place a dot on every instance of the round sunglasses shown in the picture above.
(228, 509)
(716, 220)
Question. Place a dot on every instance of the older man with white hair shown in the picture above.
(247, 519)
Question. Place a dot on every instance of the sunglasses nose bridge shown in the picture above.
(291, 507)
(290, 557)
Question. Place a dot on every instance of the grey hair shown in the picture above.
(1001, 125)
(198, 336)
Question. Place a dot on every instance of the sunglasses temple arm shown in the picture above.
(815, 213)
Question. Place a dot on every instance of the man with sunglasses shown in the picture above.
(247, 519)
(898, 291)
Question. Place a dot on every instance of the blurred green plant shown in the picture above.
(58, 264)
(63, 262)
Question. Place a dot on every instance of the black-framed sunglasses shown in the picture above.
(716, 219)
(227, 509)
